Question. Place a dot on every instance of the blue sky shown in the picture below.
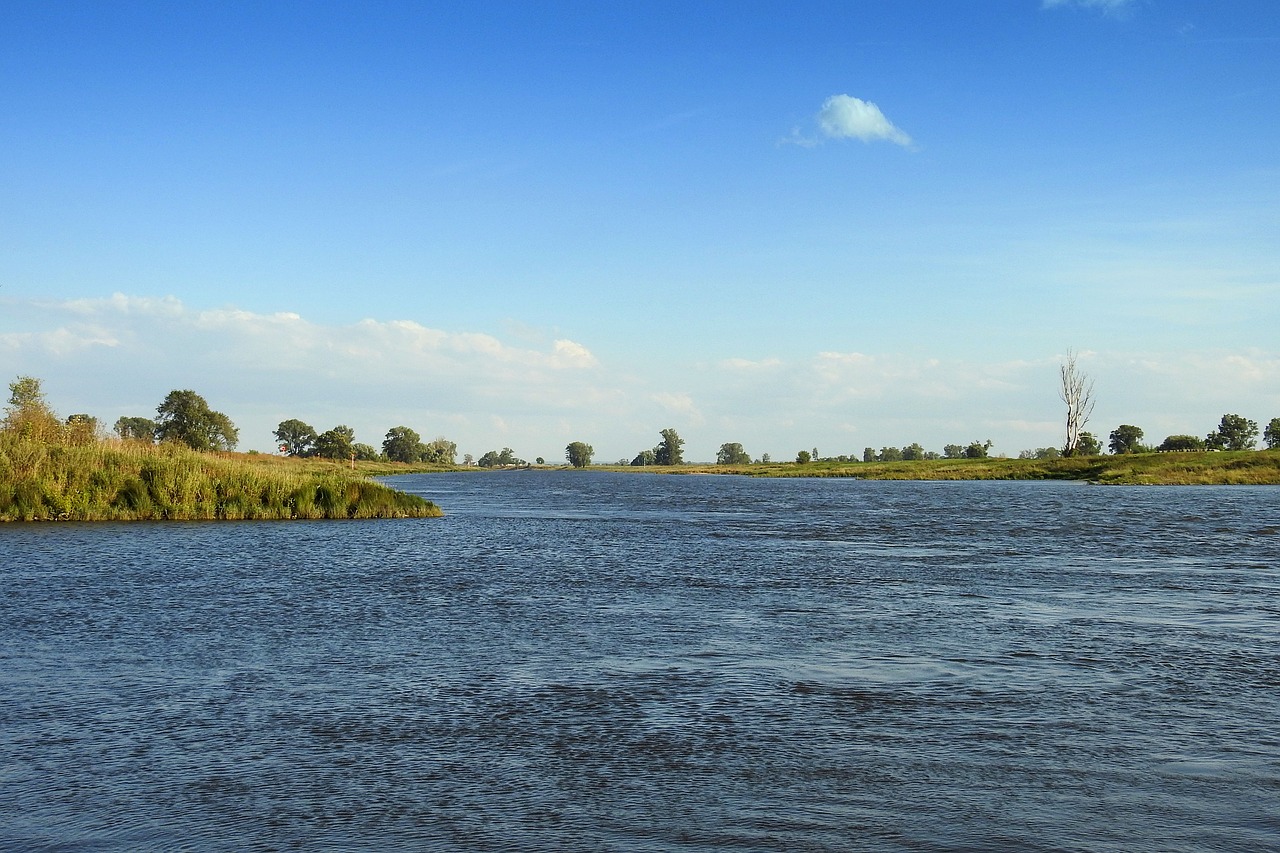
(798, 225)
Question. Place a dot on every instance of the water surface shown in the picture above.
(588, 661)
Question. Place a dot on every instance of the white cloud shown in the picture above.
(121, 355)
(1110, 7)
(846, 117)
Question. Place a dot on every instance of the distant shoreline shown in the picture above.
(1208, 468)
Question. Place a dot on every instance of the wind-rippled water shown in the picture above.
(586, 661)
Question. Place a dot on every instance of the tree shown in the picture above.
(1126, 438)
(1233, 433)
(890, 454)
(645, 457)
(185, 417)
(296, 438)
(365, 452)
(868, 454)
(402, 445)
(912, 452)
(136, 429)
(81, 428)
(496, 459)
(28, 414)
(669, 451)
(731, 453)
(953, 451)
(1088, 445)
(1077, 392)
(579, 454)
(335, 443)
(1177, 443)
(804, 457)
(977, 449)
(1271, 435)
(439, 451)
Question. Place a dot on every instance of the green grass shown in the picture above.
(1247, 467)
(118, 481)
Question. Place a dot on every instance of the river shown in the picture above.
(633, 662)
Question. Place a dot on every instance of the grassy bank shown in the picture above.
(1174, 469)
(119, 481)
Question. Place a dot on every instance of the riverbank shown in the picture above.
(1247, 467)
(113, 480)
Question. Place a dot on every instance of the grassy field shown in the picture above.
(1175, 469)
(117, 481)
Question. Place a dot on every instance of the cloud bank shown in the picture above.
(120, 355)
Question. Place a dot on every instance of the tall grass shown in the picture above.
(116, 480)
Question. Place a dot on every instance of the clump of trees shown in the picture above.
(731, 453)
(401, 444)
(1233, 433)
(185, 417)
(500, 459)
(668, 452)
(1126, 438)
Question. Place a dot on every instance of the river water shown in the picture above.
(590, 661)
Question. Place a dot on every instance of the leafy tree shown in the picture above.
(644, 458)
(977, 449)
(1088, 445)
(868, 454)
(669, 451)
(28, 413)
(335, 443)
(402, 445)
(81, 428)
(1233, 433)
(912, 452)
(764, 459)
(1271, 435)
(296, 438)
(185, 417)
(1175, 443)
(1040, 453)
(889, 454)
(365, 452)
(136, 429)
(731, 453)
(804, 457)
(439, 451)
(954, 451)
(1077, 392)
(579, 454)
(1126, 438)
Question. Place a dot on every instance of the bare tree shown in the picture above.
(1077, 393)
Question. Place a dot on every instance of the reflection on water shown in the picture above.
(588, 661)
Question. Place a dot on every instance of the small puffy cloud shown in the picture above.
(845, 117)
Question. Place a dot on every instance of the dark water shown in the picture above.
(575, 661)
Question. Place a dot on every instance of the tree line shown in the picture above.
(186, 417)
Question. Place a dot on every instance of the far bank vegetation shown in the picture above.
(55, 469)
